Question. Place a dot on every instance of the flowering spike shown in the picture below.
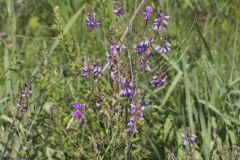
(188, 138)
(117, 48)
(158, 81)
(137, 113)
(163, 47)
(159, 21)
(78, 111)
(143, 46)
(118, 8)
(148, 12)
(92, 22)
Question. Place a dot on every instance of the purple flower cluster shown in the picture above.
(159, 21)
(118, 9)
(137, 113)
(92, 22)
(148, 12)
(127, 89)
(117, 48)
(95, 68)
(85, 71)
(188, 138)
(125, 84)
(158, 81)
(113, 57)
(25, 94)
(78, 111)
(164, 47)
(144, 65)
(143, 46)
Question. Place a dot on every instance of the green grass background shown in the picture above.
(202, 93)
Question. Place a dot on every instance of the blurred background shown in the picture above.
(47, 43)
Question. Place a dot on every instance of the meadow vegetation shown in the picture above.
(59, 97)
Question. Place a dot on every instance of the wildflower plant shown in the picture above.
(106, 82)
(110, 101)
(126, 66)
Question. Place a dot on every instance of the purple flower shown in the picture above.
(24, 96)
(148, 12)
(159, 21)
(26, 92)
(118, 9)
(114, 75)
(118, 12)
(144, 65)
(77, 105)
(137, 113)
(85, 71)
(92, 22)
(118, 77)
(82, 119)
(164, 47)
(97, 68)
(188, 138)
(110, 61)
(117, 48)
(158, 81)
(22, 108)
(77, 114)
(143, 46)
(127, 89)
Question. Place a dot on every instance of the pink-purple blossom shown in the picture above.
(91, 20)
(117, 48)
(127, 89)
(188, 138)
(143, 46)
(118, 8)
(85, 72)
(144, 65)
(159, 21)
(164, 47)
(136, 114)
(77, 114)
(158, 81)
(148, 12)
(118, 11)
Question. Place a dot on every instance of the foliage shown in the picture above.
(48, 44)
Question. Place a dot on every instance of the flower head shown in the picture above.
(143, 46)
(127, 89)
(144, 65)
(148, 12)
(85, 72)
(91, 20)
(118, 8)
(158, 81)
(97, 67)
(24, 97)
(163, 47)
(77, 105)
(26, 92)
(188, 138)
(137, 113)
(77, 114)
(117, 48)
(159, 21)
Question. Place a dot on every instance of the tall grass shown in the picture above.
(48, 44)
